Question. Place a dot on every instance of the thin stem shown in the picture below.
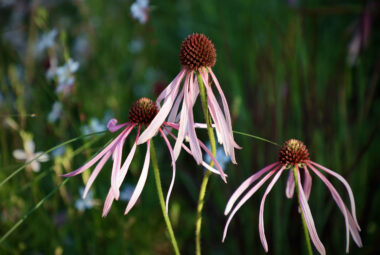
(255, 137)
(161, 198)
(202, 192)
(306, 232)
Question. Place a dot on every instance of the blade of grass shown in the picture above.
(38, 205)
(255, 137)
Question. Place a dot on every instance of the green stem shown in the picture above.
(255, 137)
(306, 232)
(202, 192)
(161, 198)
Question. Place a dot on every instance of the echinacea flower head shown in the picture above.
(197, 56)
(294, 154)
(141, 114)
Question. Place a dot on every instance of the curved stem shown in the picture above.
(306, 232)
(161, 198)
(202, 192)
(255, 137)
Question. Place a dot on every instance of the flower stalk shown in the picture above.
(202, 192)
(306, 232)
(161, 199)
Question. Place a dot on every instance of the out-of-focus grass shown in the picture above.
(284, 68)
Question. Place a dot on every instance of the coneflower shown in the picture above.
(197, 57)
(142, 112)
(294, 155)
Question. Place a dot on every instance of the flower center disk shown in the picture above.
(143, 111)
(197, 51)
(293, 152)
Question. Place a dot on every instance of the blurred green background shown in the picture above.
(290, 69)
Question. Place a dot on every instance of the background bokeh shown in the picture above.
(290, 69)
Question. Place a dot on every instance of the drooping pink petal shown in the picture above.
(350, 223)
(116, 156)
(113, 126)
(95, 173)
(221, 122)
(221, 172)
(193, 140)
(174, 111)
(309, 218)
(290, 184)
(307, 183)
(216, 124)
(168, 90)
(183, 121)
(111, 194)
(345, 183)
(128, 160)
(222, 139)
(224, 131)
(248, 182)
(108, 203)
(98, 156)
(156, 123)
(261, 214)
(244, 199)
(195, 89)
(141, 182)
(174, 169)
(224, 101)
(207, 166)
(226, 114)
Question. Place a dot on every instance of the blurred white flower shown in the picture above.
(55, 112)
(65, 76)
(47, 40)
(28, 154)
(221, 157)
(82, 204)
(126, 192)
(139, 10)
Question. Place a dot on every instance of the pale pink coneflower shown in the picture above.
(141, 114)
(294, 153)
(197, 56)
